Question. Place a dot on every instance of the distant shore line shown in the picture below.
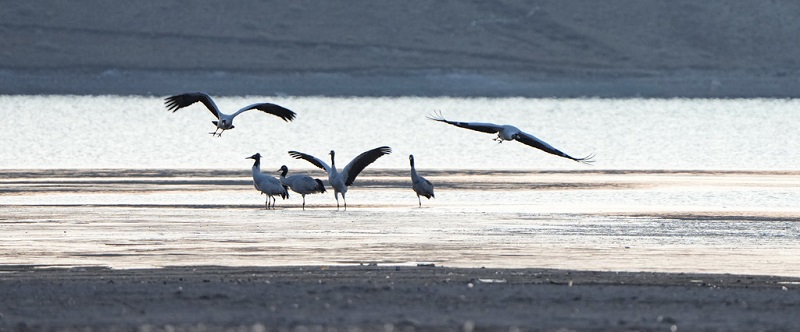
(688, 84)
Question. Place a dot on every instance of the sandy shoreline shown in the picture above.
(375, 298)
(658, 221)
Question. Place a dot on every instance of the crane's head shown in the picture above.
(284, 169)
(256, 156)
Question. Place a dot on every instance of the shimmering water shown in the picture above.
(723, 222)
(138, 132)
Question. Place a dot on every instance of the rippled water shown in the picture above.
(138, 132)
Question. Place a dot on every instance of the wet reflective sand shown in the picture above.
(664, 221)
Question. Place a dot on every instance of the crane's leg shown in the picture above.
(420, 201)
(267, 203)
(273, 202)
(304, 202)
(217, 132)
(336, 194)
(345, 202)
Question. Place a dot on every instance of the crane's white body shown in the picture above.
(420, 185)
(224, 121)
(301, 183)
(266, 184)
(511, 133)
(341, 180)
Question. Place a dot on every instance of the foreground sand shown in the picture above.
(376, 298)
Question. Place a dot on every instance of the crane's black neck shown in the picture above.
(284, 170)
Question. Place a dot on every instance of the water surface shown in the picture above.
(138, 132)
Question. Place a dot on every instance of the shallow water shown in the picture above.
(723, 222)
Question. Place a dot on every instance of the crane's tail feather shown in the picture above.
(285, 193)
(320, 186)
(588, 160)
(436, 116)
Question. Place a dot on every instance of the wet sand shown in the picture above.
(195, 250)
(370, 298)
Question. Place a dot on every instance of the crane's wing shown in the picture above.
(313, 160)
(531, 140)
(350, 172)
(269, 108)
(177, 102)
(484, 127)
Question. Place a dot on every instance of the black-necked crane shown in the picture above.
(511, 133)
(421, 185)
(224, 121)
(267, 184)
(341, 180)
(301, 183)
